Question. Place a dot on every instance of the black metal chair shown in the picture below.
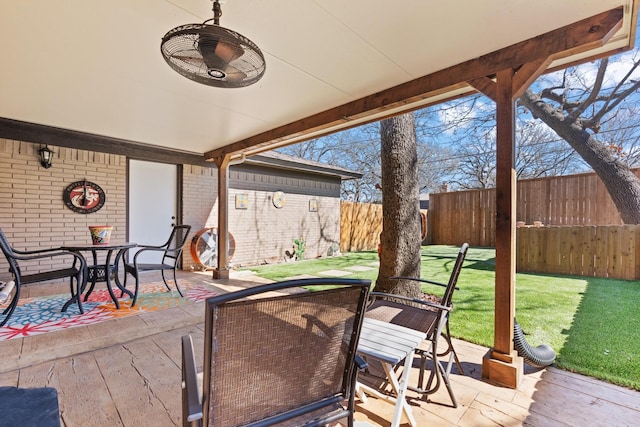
(171, 252)
(431, 317)
(284, 356)
(69, 269)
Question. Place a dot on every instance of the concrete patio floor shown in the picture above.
(126, 372)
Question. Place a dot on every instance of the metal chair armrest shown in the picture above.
(48, 253)
(432, 282)
(36, 251)
(143, 249)
(375, 295)
(163, 246)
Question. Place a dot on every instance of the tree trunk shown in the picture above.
(621, 183)
(400, 237)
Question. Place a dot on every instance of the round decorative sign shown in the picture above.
(83, 197)
(279, 199)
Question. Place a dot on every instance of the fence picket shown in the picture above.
(581, 233)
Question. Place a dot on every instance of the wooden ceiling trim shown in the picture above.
(578, 37)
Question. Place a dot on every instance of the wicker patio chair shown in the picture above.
(430, 316)
(171, 252)
(285, 356)
(65, 264)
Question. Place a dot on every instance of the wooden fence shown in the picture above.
(610, 251)
(589, 250)
(462, 216)
(565, 200)
(360, 226)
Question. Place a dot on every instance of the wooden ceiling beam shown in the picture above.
(484, 85)
(528, 73)
(577, 37)
(522, 79)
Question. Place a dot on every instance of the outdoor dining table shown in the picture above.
(390, 344)
(102, 271)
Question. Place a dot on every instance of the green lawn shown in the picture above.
(591, 323)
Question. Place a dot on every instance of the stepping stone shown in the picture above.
(301, 276)
(360, 268)
(335, 273)
(375, 264)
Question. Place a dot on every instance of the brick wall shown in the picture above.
(263, 233)
(200, 204)
(33, 214)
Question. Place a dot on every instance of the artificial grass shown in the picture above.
(591, 323)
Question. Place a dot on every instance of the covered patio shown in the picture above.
(126, 372)
(90, 76)
(107, 89)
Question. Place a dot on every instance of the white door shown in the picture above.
(153, 189)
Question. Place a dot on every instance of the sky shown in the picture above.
(451, 124)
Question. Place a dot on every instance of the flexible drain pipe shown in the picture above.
(539, 357)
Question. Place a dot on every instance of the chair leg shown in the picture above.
(430, 387)
(437, 373)
(164, 279)
(445, 377)
(175, 280)
(124, 282)
(450, 348)
(93, 282)
(441, 375)
(12, 305)
(423, 368)
(80, 285)
(77, 295)
(135, 291)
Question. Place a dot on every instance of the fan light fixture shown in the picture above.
(213, 55)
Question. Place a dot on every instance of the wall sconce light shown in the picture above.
(45, 156)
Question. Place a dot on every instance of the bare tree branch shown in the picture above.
(591, 98)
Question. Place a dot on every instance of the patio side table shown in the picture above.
(102, 272)
(390, 344)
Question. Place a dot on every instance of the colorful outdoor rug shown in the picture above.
(40, 315)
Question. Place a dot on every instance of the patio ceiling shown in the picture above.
(95, 67)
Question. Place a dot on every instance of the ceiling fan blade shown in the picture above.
(234, 74)
(217, 53)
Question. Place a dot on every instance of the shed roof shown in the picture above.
(285, 161)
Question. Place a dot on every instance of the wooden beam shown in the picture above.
(527, 75)
(577, 37)
(502, 365)
(59, 137)
(484, 85)
(222, 271)
(505, 213)
(522, 79)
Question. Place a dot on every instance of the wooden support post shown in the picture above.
(502, 365)
(222, 271)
